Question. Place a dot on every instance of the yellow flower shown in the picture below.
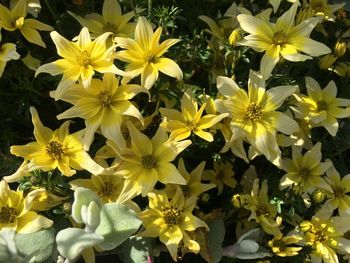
(54, 149)
(16, 212)
(147, 162)
(80, 60)
(222, 174)
(193, 187)
(323, 9)
(144, 55)
(7, 52)
(112, 20)
(280, 245)
(281, 38)
(15, 19)
(190, 119)
(262, 211)
(338, 194)
(304, 171)
(103, 106)
(325, 236)
(44, 200)
(253, 115)
(171, 221)
(322, 107)
(107, 187)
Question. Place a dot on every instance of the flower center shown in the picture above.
(304, 172)
(263, 210)
(186, 190)
(253, 112)
(148, 161)
(110, 28)
(83, 58)
(171, 215)
(19, 23)
(105, 98)
(338, 191)
(107, 191)
(191, 125)
(7, 215)
(149, 58)
(279, 38)
(321, 105)
(318, 7)
(54, 150)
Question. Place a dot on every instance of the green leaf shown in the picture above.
(39, 244)
(72, 241)
(137, 250)
(216, 236)
(118, 223)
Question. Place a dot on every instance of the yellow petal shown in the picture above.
(168, 67)
(64, 47)
(41, 133)
(143, 33)
(111, 10)
(32, 36)
(31, 222)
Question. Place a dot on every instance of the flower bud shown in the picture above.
(327, 61)
(235, 36)
(340, 48)
(237, 201)
(318, 196)
(305, 226)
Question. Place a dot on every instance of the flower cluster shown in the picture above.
(232, 142)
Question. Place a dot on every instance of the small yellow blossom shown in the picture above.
(54, 149)
(338, 196)
(280, 245)
(325, 236)
(112, 20)
(144, 55)
(190, 119)
(172, 221)
(304, 171)
(322, 106)
(7, 53)
(16, 212)
(323, 9)
(253, 114)
(262, 211)
(15, 19)
(282, 38)
(193, 187)
(222, 174)
(103, 106)
(147, 162)
(80, 60)
(42, 200)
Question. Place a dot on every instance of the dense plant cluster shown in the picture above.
(161, 131)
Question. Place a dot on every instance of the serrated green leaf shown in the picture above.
(39, 244)
(118, 223)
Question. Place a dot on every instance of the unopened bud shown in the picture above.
(318, 196)
(340, 48)
(237, 201)
(305, 226)
(235, 36)
(327, 61)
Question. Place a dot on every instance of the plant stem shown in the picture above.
(149, 9)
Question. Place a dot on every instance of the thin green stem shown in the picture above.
(149, 9)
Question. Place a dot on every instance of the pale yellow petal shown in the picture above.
(168, 67)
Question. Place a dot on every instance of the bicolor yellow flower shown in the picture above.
(54, 149)
(171, 221)
(7, 53)
(80, 60)
(193, 187)
(338, 196)
(253, 115)
(16, 212)
(282, 38)
(144, 55)
(322, 106)
(323, 9)
(112, 20)
(107, 187)
(42, 200)
(147, 162)
(15, 19)
(280, 245)
(102, 106)
(222, 174)
(325, 236)
(262, 211)
(304, 171)
(190, 119)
